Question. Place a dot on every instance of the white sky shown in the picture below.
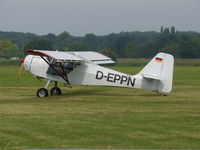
(100, 17)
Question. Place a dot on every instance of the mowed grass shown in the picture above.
(100, 117)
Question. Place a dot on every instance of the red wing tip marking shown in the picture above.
(37, 53)
(158, 59)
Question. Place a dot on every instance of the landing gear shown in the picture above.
(56, 91)
(56, 68)
(43, 92)
(161, 94)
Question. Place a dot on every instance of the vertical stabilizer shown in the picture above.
(157, 75)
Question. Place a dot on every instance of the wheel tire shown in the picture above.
(56, 91)
(42, 92)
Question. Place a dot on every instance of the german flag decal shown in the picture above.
(158, 59)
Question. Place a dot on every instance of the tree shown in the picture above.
(78, 47)
(132, 50)
(173, 30)
(63, 40)
(64, 35)
(150, 48)
(51, 36)
(91, 40)
(8, 49)
(161, 30)
(120, 44)
(191, 48)
(172, 48)
(124, 44)
(166, 31)
(110, 53)
(41, 44)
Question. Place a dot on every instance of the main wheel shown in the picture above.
(55, 91)
(42, 92)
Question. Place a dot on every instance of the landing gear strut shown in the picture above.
(43, 92)
(56, 90)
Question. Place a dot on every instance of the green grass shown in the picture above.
(100, 117)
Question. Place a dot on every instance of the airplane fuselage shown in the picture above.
(156, 76)
(83, 74)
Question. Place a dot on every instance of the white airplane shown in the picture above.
(84, 68)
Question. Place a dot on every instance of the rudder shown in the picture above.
(157, 75)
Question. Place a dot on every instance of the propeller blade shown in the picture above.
(21, 70)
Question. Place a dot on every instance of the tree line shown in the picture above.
(124, 44)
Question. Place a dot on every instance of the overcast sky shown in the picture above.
(100, 17)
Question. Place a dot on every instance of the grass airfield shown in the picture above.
(99, 117)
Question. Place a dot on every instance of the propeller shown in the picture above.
(21, 69)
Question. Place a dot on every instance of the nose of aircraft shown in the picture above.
(27, 62)
(22, 60)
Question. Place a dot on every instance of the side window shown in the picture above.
(67, 66)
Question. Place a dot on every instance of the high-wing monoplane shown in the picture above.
(84, 68)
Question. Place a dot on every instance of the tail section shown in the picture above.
(157, 75)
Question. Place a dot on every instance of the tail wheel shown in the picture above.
(56, 91)
(42, 92)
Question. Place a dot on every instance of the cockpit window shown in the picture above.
(67, 66)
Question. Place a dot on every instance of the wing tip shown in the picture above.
(37, 52)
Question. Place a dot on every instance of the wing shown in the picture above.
(62, 56)
(87, 56)
(94, 57)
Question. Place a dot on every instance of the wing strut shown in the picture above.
(62, 76)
